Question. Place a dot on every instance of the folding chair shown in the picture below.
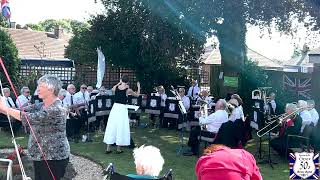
(110, 174)
(303, 141)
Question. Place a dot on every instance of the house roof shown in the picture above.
(315, 52)
(34, 44)
(212, 56)
(301, 63)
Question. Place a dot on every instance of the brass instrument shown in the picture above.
(275, 122)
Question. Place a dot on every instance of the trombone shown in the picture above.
(274, 124)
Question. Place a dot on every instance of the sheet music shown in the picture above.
(182, 108)
(133, 107)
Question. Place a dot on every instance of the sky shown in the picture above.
(276, 46)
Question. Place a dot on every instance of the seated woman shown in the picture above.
(222, 162)
(149, 162)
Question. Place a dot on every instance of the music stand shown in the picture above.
(136, 101)
(153, 104)
(258, 121)
(91, 117)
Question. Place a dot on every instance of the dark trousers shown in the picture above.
(193, 139)
(58, 168)
(73, 127)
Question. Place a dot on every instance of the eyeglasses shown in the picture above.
(83, 87)
(27, 92)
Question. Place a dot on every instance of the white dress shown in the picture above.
(118, 127)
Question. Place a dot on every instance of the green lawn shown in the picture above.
(167, 141)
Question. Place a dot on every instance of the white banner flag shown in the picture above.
(101, 67)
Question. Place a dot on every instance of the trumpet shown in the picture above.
(277, 122)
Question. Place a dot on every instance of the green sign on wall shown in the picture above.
(230, 81)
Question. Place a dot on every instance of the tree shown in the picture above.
(135, 37)
(69, 25)
(228, 20)
(9, 54)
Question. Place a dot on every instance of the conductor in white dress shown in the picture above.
(118, 128)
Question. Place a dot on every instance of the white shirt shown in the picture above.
(163, 99)
(314, 116)
(306, 119)
(81, 97)
(9, 100)
(23, 100)
(273, 105)
(67, 100)
(236, 114)
(214, 120)
(186, 102)
(196, 91)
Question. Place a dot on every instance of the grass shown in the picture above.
(167, 141)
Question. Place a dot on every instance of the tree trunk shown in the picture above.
(231, 37)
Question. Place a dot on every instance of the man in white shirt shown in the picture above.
(194, 90)
(313, 112)
(9, 101)
(212, 122)
(73, 122)
(24, 99)
(304, 114)
(273, 105)
(205, 97)
(82, 97)
(184, 98)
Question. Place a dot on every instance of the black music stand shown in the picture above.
(153, 106)
(137, 101)
(91, 117)
(175, 110)
(103, 106)
(259, 122)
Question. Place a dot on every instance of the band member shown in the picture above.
(194, 90)
(24, 99)
(291, 125)
(204, 96)
(118, 128)
(304, 114)
(212, 122)
(239, 107)
(9, 101)
(73, 122)
(313, 112)
(256, 95)
(272, 104)
(163, 96)
(184, 98)
(234, 110)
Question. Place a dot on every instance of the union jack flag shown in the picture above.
(292, 160)
(5, 9)
(300, 86)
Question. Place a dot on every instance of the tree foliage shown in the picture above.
(69, 25)
(134, 36)
(9, 54)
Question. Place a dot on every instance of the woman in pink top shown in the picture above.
(221, 162)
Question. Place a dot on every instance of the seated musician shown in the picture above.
(234, 110)
(204, 96)
(184, 98)
(213, 122)
(304, 114)
(291, 125)
(313, 112)
(162, 93)
(239, 107)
